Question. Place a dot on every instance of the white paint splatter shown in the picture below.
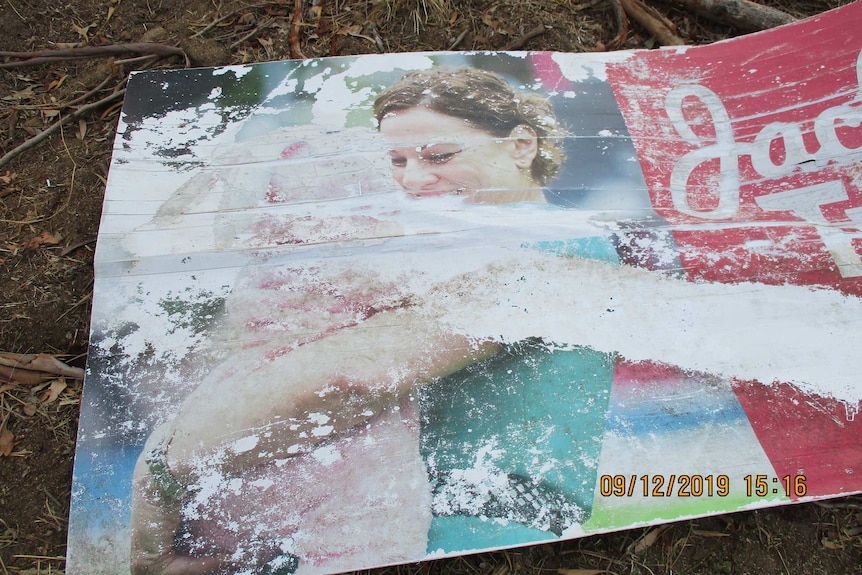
(327, 455)
(322, 431)
(238, 71)
(245, 444)
(318, 418)
(578, 67)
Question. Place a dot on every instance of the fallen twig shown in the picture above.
(35, 368)
(377, 39)
(521, 40)
(86, 52)
(83, 97)
(293, 38)
(221, 19)
(251, 34)
(136, 59)
(70, 103)
(741, 14)
(648, 538)
(56, 126)
(639, 12)
(459, 39)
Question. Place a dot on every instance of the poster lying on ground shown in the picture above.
(368, 310)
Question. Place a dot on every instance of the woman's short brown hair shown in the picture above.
(486, 102)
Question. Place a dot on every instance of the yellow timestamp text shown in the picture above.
(671, 485)
(763, 485)
(664, 485)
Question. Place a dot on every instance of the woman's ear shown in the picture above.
(526, 145)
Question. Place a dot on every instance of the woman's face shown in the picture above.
(434, 154)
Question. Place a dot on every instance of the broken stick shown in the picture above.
(743, 15)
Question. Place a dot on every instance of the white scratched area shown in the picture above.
(784, 333)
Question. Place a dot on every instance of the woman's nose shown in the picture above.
(417, 175)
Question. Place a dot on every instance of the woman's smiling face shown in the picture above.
(434, 154)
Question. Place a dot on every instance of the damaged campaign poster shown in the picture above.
(370, 310)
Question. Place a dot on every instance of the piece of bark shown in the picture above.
(31, 368)
(743, 15)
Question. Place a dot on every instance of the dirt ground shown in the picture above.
(51, 197)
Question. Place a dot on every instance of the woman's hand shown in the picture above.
(314, 393)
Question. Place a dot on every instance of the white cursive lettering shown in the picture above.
(805, 202)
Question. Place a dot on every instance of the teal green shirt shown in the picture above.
(512, 444)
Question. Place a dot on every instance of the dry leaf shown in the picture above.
(30, 409)
(84, 31)
(37, 388)
(20, 94)
(8, 177)
(56, 83)
(584, 572)
(82, 129)
(112, 6)
(647, 540)
(57, 387)
(7, 440)
(831, 544)
(494, 24)
(43, 239)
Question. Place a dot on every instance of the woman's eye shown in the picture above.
(398, 162)
(440, 158)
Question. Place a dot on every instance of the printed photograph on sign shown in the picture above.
(364, 311)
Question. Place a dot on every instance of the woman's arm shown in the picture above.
(315, 392)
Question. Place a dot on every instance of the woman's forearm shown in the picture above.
(315, 392)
